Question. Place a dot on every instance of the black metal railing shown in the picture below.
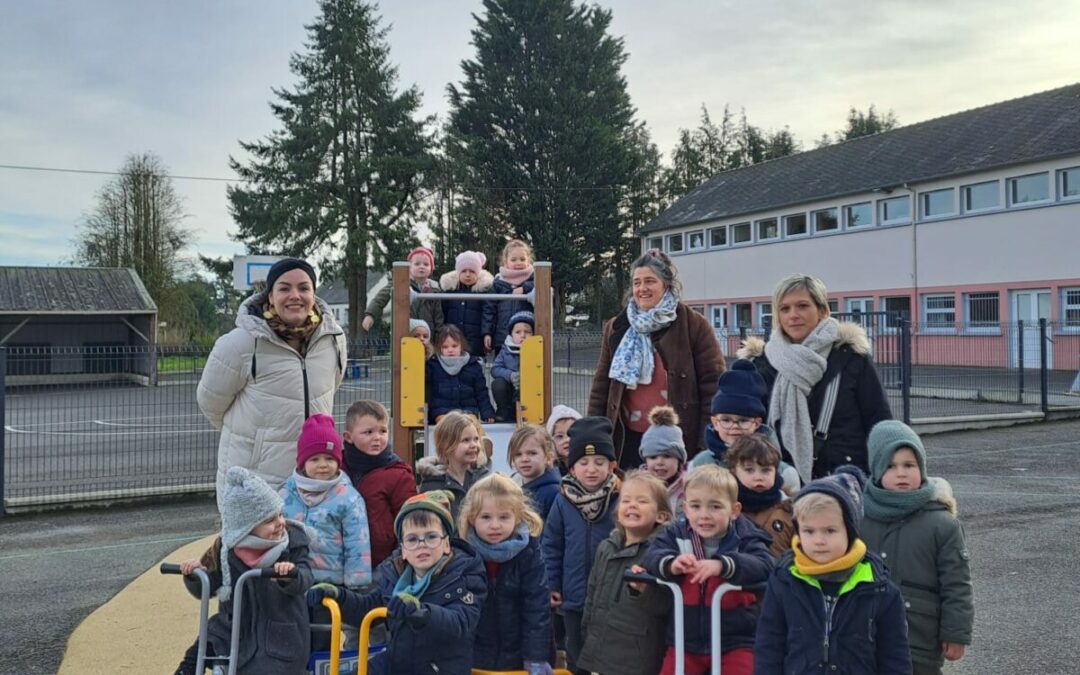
(85, 422)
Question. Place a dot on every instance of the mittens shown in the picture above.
(319, 591)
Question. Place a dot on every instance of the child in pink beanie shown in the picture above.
(321, 496)
(469, 276)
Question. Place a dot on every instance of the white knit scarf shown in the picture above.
(798, 368)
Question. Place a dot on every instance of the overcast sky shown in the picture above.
(84, 83)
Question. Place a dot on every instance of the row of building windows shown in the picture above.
(938, 312)
(1021, 191)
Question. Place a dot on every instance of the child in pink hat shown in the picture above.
(469, 276)
(421, 267)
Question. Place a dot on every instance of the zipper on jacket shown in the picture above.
(830, 605)
(307, 400)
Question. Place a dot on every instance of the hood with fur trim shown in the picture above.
(484, 282)
(943, 493)
(851, 334)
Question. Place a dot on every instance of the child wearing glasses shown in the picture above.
(433, 587)
(737, 410)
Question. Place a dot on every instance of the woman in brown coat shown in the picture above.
(657, 351)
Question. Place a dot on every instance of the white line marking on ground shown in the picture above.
(104, 548)
(98, 434)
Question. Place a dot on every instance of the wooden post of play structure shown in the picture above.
(400, 312)
(542, 314)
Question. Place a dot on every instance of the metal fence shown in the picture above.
(93, 423)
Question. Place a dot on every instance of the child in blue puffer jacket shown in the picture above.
(320, 495)
(515, 624)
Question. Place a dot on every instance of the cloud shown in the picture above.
(87, 84)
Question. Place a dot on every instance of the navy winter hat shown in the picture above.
(285, 265)
(521, 317)
(590, 436)
(740, 391)
(845, 485)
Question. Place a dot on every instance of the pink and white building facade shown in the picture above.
(966, 225)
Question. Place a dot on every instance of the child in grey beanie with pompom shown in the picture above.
(664, 452)
(275, 635)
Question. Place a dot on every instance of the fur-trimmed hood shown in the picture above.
(851, 334)
(484, 282)
(943, 493)
(430, 466)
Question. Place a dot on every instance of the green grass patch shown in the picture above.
(180, 364)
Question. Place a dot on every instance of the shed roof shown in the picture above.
(1023, 130)
(73, 290)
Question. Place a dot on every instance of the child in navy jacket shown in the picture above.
(433, 587)
(830, 605)
(455, 379)
(581, 517)
(710, 545)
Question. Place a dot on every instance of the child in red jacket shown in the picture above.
(381, 478)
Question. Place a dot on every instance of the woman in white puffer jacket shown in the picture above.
(282, 363)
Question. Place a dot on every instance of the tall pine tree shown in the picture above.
(540, 136)
(340, 179)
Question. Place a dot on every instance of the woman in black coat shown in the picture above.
(806, 351)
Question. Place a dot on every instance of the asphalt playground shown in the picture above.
(1018, 490)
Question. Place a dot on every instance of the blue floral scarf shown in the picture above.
(632, 364)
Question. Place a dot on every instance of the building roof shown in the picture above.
(1023, 130)
(333, 292)
(73, 290)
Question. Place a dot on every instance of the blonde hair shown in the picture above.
(524, 433)
(449, 430)
(511, 245)
(499, 487)
(813, 286)
(657, 492)
(714, 479)
(813, 503)
(429, 348)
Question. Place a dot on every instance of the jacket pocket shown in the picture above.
(284, 641)
(923, 617)
(238, 449)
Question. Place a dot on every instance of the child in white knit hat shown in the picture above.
(558, 425)
(275, 635)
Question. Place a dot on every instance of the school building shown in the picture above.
(965, 225)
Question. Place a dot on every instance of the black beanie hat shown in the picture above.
(846, 486)
(590, 436)
(740, 391)
(284, 265)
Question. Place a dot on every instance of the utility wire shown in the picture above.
(218, 179)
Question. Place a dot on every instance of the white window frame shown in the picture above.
(722, 310)
(847, 216)
(1061, 183)
(731, 233)
(654, 242)
(882, 220)
(671, 237)
(1010, 182)
(727, 237)
(690, 240)
(764, 311)
(924, 202)
(965, 193)
(784, 225)
(925, 312)
(988, 329)
(814, 217)
(834, 306)
(758, 229)
(1065, 327)
(700, 309)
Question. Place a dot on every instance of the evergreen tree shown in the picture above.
(865, 124)
(341, 179)
(539, 136)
